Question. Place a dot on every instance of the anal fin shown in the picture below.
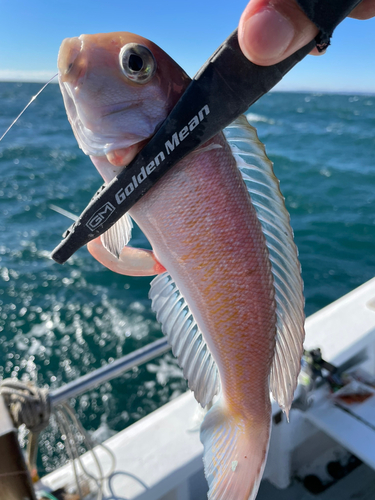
(185, 338)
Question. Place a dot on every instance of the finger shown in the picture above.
(365, 10)
(271, 31)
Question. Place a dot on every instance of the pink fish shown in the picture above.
(228, 292)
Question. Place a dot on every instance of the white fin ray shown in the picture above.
(118, 236)
(263, 186)
(185, 338)
(235, 452)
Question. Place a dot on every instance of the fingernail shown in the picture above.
(265, 36)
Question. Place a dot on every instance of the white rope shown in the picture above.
(31, 406)
(67, 419)
(27, 404)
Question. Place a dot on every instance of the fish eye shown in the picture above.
(137, 62)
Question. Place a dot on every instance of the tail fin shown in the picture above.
(235, 452)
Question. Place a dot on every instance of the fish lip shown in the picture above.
(74, 47)
(80, 77)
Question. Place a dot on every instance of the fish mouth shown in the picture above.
(69, 54)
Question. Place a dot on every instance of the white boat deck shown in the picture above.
(355, 433)
(346, 327)
(160, 457)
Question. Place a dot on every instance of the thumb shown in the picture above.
(269, 31)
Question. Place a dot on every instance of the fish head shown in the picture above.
(117, 89)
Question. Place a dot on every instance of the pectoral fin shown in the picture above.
(131, 261)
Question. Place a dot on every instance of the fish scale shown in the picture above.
(225, 274)
(229, 294)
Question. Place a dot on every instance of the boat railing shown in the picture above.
(32, 406)
(108, 372)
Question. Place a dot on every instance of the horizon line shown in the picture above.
(290, 89)
(42, 76)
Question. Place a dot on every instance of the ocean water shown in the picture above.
(59, 322)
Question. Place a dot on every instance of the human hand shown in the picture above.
(271, 30)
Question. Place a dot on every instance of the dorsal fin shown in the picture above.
(185, 338)
(263, 186)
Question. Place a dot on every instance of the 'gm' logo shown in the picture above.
(100, 216)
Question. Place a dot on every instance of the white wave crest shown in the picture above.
(254, 118)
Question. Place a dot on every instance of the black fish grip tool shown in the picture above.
(224, 88)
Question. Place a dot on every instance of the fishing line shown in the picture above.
(64, 212)
(25, 108)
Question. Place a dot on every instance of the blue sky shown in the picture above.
(31, 32)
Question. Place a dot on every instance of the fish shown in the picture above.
(228, 290)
